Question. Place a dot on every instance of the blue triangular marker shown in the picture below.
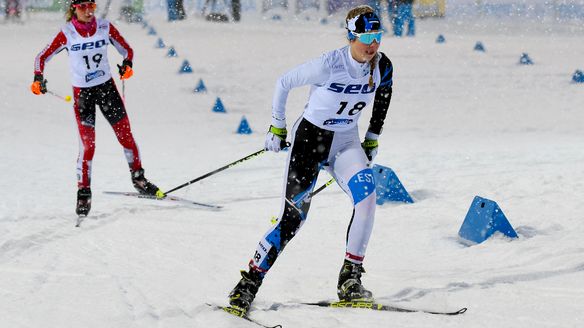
(578, 77)
(200, 87)
(160, 44)
(244, 127)
(440, 39)
(185, 67)
(483, 219)
(152, 31)
(525, 59)
(218, 107)
(171, 52)
(479, 46)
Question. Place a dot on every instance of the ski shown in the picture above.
(169, 198)
(378, 307)
(240, 314)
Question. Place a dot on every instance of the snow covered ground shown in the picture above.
(461, 124)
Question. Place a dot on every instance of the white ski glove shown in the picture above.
(276, 139)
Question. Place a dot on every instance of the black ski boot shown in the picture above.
(144, 186)
(349, 287)
(83, 201)
(245, 291)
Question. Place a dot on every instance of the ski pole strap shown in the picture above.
(241, 160)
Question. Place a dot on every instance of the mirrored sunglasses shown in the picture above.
(368, 38)
(86, 5)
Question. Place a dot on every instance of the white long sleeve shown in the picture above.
(315, 72)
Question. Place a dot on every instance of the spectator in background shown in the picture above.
(13, 9)
(402, 13)
(376, 5)
(176, 10)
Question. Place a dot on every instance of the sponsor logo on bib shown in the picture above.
(88, 45)
(350, 88)
(94, 75)
(338, 121)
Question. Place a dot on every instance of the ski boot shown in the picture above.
(349, 287)
(145, 187)
(245, 291)
(83, 201)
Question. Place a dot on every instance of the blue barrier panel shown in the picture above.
(388, 187)
(483, 219)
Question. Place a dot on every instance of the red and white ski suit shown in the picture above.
(86, 44)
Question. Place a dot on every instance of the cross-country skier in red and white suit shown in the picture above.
(86, 38)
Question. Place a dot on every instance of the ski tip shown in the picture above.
(461, 311)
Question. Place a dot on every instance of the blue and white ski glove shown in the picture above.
(276, 139)
(370, 145)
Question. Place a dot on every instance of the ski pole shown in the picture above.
(66, 98)
(306, 198)
(230, 165)
(241, 160)
(321, 188)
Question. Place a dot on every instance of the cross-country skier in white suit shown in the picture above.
(343, 82)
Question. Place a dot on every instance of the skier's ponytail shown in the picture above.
(70, 13)
(372, 65)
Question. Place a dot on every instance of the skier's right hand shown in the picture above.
(39, 86)
(276, 139)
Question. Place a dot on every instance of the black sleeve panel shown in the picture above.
(382, 95)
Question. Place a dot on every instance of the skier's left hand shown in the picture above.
(125, 69)
(370, 145)
(39, 86)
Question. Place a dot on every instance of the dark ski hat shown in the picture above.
(364, 23)
(76, 2)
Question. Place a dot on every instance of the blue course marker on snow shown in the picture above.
(185, 67)
(479, 47)
(388, 187)
(525, 59)
(160, 44)
(171, 52)
(440, 39)
(200, 88)
(218, 107)
(151, 31)
(578, 77)
(483, 219)
(244, 127)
